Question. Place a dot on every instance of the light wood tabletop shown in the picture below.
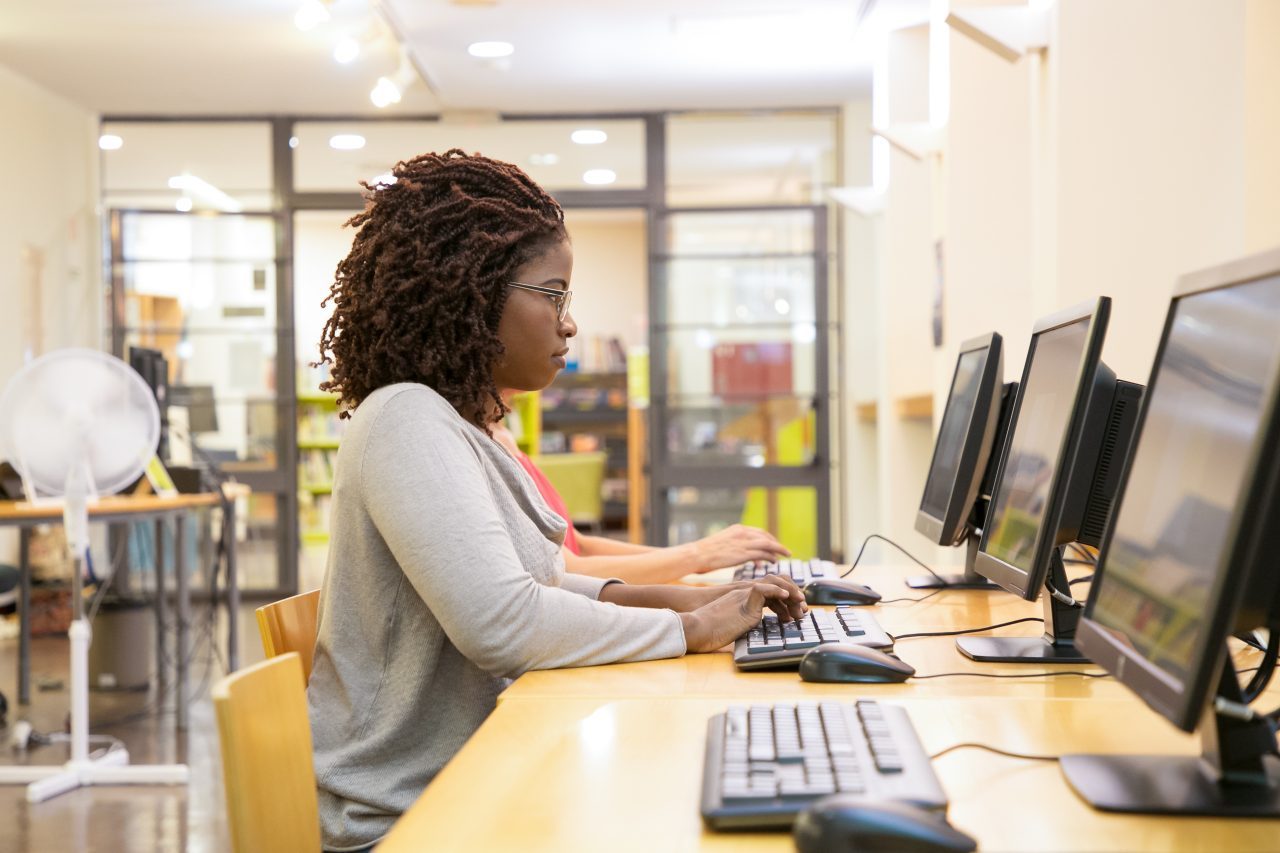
(598, 774)
(113, 505)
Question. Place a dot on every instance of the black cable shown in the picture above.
(996, 750)
(1084, 579)
(965, 630)
(1266, 667)
(1016, 674)
(910, 556)
(921, 598)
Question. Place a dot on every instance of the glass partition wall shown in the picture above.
(223, 236)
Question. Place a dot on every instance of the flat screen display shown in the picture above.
(956, 422)
(1044, 414)
(1205, 403)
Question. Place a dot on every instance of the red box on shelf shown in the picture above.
(751, 369)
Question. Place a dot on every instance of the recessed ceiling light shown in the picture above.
(588, 136)
(491, 49)
(386, 179)
(293, 142)
(346, 50)
(109, 142)
(385, 93)
(599, 176)
(544, 159)
(311, 14)
(183, 204)
(782, 306)
(346, 142)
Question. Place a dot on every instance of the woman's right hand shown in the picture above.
(724, 620)
(733, 546)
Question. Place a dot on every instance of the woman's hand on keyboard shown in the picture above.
(733, 546)
(738, 610)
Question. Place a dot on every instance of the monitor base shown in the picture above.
(1018, 650)
(1166, 784)
(950, 581)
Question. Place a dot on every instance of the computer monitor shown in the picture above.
(1070, 426)
(202, 413)
(1189, 556)
(954, 502)
(153, 367)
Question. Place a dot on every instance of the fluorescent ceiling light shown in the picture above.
(311, 14)
(183, 204)
(599, 176)
(588, 136)
(346, 50)
(204, 192)
(109, 142)
(491, 49)
(346, 142)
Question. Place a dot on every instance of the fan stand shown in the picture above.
(113, 768)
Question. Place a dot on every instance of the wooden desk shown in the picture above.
(130, 508)
(597, 774)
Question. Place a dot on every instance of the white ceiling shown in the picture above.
(219, 57)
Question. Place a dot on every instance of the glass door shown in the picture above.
(740, 363)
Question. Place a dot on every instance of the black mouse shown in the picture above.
(850, 822)
(837, 591)
(849, 662)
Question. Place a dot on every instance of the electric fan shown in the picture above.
(77, 423)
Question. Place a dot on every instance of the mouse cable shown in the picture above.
(897, 637)
(921, 598)
(1082, 579)
(996, 750)
(910, 556)
(1014, 674)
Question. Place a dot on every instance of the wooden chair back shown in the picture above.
(267, 764)
(289, 625)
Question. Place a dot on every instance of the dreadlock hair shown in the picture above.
(419, 297)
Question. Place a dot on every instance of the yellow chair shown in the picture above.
(266, 757)
(578, 477)
(289, 625)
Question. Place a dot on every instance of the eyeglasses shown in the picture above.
(560, 298)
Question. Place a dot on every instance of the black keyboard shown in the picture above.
(800, 571)
(765, 763)
(773, 644)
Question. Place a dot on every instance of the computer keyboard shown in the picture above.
(774, 645)
(765, 763)
(800, 571)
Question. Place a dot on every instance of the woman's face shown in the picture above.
(536, 341)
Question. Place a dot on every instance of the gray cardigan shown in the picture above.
(444, 581)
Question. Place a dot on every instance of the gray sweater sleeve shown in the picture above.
(426, 491)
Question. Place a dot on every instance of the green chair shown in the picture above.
(578, 477)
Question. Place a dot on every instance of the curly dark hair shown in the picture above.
(419, 297)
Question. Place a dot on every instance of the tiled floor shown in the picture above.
(120, 818)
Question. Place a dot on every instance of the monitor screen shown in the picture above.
(1047, 400)
(956, 420)
(1208, 395)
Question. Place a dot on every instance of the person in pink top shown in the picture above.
(601, 557)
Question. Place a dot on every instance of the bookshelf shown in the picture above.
(319, 433)
(586, 412)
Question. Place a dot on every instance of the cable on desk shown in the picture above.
(910, 556)
(1063, 598)
(1267, 666)
(996, 750)
(965, 630)
(921, 598)
(1015, 674)
(1083, 553)
(1084, 579)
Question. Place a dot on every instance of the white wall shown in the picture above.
(610, 279)
(1262, 124)
(50, 280)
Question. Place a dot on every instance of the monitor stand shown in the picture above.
(1235, 775)
(969, 580)
(1056, 645)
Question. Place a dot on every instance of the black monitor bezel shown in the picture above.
(976, 448)
(1243, 556)
(1009, 577)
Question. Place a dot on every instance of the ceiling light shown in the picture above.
(183, 204)
(386, 179)
(599, 176)
(346, 50)
(544, 159)
(293, 142)
(588, 137)
(491, 49)
(782, 306)
(204, 192)
(385, 93)
(109, 142)
(346, 142)
(311, 14)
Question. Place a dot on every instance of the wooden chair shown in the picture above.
(266, 757)
(289, 625)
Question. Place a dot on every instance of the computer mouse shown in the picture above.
(849, 822)
(837, 591)
(849, 662)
